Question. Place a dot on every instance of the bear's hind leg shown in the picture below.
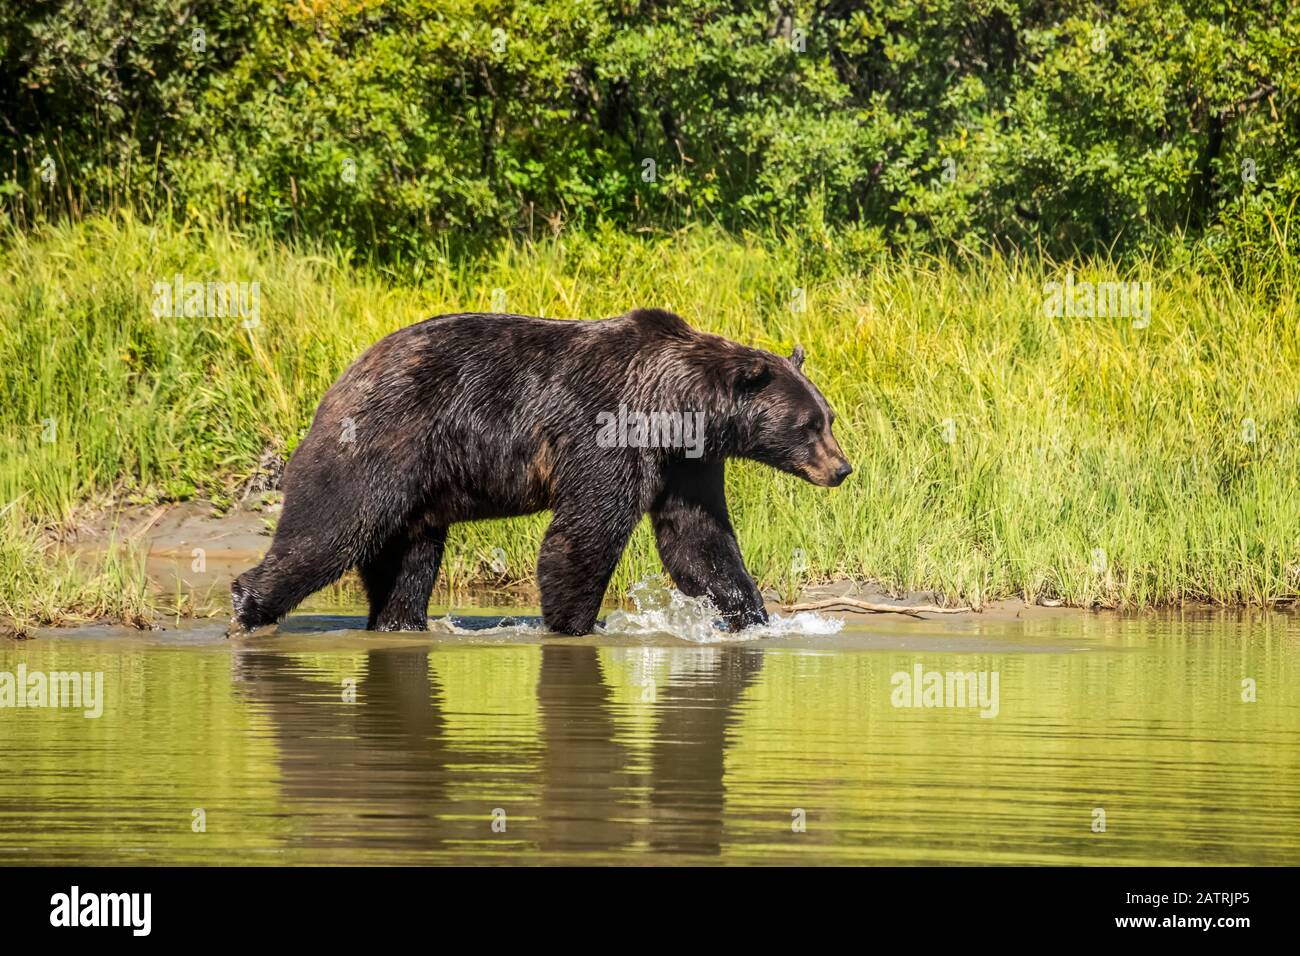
(399, 579)
(295, 566)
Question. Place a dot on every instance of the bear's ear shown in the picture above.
(796, 357)
(748, 373)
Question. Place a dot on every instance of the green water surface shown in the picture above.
(324, 745)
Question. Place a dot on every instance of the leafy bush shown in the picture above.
(377, 125)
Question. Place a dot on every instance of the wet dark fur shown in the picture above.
(472, 416)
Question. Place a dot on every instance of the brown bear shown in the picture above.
(474, 415)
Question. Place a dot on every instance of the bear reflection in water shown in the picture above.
(395, 771)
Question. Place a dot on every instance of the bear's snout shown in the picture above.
(828, 467)
(828, 472)
(832, 474)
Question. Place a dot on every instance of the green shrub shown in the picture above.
(377, 127)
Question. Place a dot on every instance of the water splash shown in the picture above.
(664, 610)
(476, 626)
(657, 610)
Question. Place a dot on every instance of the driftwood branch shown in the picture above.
(870, 607)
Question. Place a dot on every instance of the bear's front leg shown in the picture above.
(579, 553)
(698, 546)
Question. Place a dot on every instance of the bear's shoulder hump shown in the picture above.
(659, 320)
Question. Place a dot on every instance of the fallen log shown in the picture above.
(871, 607)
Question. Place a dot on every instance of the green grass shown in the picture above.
(43, 585)
(1091, 462)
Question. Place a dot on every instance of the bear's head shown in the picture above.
(782, 419)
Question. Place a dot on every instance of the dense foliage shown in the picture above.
(375, 126)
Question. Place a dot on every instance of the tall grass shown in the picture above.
(997, 451)
(42, 585)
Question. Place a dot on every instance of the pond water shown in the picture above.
(1081, 738)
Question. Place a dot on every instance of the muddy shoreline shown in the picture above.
(192, 548)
